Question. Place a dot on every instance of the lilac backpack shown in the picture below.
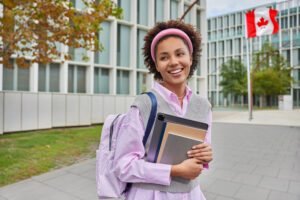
(108, 184)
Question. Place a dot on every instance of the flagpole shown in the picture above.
(248, 73)
(249, 81)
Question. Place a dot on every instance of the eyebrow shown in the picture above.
(165, 53)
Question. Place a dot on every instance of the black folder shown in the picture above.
(162, 122)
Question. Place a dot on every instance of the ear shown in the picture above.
(191, 59)
(157, 68)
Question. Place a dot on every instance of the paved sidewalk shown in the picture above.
(251, 162)
(263, 117)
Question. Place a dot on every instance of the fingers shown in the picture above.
(201, 154)
(198, 151)
(200, 146)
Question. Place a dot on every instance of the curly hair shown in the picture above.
(190, 30)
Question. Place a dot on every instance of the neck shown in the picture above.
(179, 89)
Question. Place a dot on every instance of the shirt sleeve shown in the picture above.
(208, 134)
(129, 163)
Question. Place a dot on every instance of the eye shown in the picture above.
(163, 58)
(181, 53)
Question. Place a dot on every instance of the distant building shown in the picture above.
(83, 92)
(226, 40)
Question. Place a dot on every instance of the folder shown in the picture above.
(169, 130)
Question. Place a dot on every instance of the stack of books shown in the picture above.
(173, 137)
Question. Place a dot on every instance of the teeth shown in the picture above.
(175, 71)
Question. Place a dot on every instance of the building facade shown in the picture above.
(226, 40)
(84, 90)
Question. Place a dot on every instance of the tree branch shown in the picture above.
(189, 8)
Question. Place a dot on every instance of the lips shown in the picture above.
(175, 71)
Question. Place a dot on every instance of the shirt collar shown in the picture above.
(169, 95)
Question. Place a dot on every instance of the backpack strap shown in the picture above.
(151, 117)
(148, 128)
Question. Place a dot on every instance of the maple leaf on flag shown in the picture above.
(262, 22)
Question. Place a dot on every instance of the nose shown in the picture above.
(173, 61)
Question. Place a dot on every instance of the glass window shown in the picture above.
(140, 43)
(49, 77)
(293, 21)
(42, 78)
(212, 66)
(78, 54)
(77, 79)
(284, 23)
(8, 77)
(285, 38)
(23, 79)
(125, 5)
(141, 85)
(198, 20)
(78, 4)
(296, 38)
(188, 17)
(101, 80)
(226, 22)
(142, 13)
(296, 97)
(199, 68)
(123, 45)
(296, 75)
(81, 79)
(229, 47)
(239, 18)
(296, 57)
(287, 56)
(159, 10)
(54, 77)
(104, 35)
(122, 82)
(71, 77)
(220, 21)
(198, 86)
(237, 45)
(16, 78)
(209, 25)
(213, 49)
(174, 9)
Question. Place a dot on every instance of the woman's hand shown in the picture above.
(202, 152)
(188, 169)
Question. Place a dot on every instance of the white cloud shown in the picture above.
(219, 7)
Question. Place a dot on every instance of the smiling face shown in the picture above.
(173, 62)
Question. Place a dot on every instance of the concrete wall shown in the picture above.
(23, 111)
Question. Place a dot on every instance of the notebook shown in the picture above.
(166, 124)
(175, 149)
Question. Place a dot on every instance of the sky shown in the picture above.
(219, 7)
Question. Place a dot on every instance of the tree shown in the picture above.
(234, 78)
(270, 74)
(34, 27)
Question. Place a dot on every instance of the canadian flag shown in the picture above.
(261, 21)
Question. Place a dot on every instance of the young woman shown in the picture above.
(171, 53)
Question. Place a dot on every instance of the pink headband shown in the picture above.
(170, 31)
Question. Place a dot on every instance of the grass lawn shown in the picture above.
(26, 154)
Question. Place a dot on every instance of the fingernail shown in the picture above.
(189, 152)
(193, 147)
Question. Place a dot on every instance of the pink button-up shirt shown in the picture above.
(131, 167)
